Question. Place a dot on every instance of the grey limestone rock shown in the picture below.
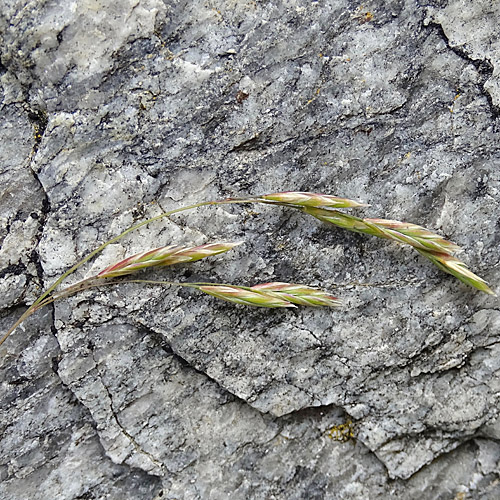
(113, 112)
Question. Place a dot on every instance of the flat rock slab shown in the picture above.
(115, 113)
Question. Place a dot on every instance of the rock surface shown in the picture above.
(115, 112)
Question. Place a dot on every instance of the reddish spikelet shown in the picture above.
(403, 232)
(164, 256)
(303, 199)
(299, 294)
(272, 295)
(430, 245)
(414, 235)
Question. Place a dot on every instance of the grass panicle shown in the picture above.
(165, 256)
(322, 206)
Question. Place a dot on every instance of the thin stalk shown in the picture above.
(81, 285)
(93, 282)
(275, 294)
(187, 285)
(96, 282)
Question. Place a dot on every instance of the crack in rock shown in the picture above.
(464, 30)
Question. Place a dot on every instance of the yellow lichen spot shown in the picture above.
(281, 440)
(342, 432)
(408, 155)
(452, 107)
(318, 91)
(460, 496)
(320, 55)
(363, 16)
(38, 135)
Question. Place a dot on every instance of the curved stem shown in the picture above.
(86, 284)
(109, 242)
(24, 316)
(41, 301)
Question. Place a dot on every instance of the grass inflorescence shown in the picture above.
(271, 295)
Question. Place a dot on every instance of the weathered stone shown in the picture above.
(115, 113)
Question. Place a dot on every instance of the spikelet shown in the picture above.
(299, 294)
(403, 232)
(271, 295)
(164, 256)
(245, 295)
(430, 245)
(457, 268)
(414, 235)
(296, 198)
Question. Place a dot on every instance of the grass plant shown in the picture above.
(276, 294)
